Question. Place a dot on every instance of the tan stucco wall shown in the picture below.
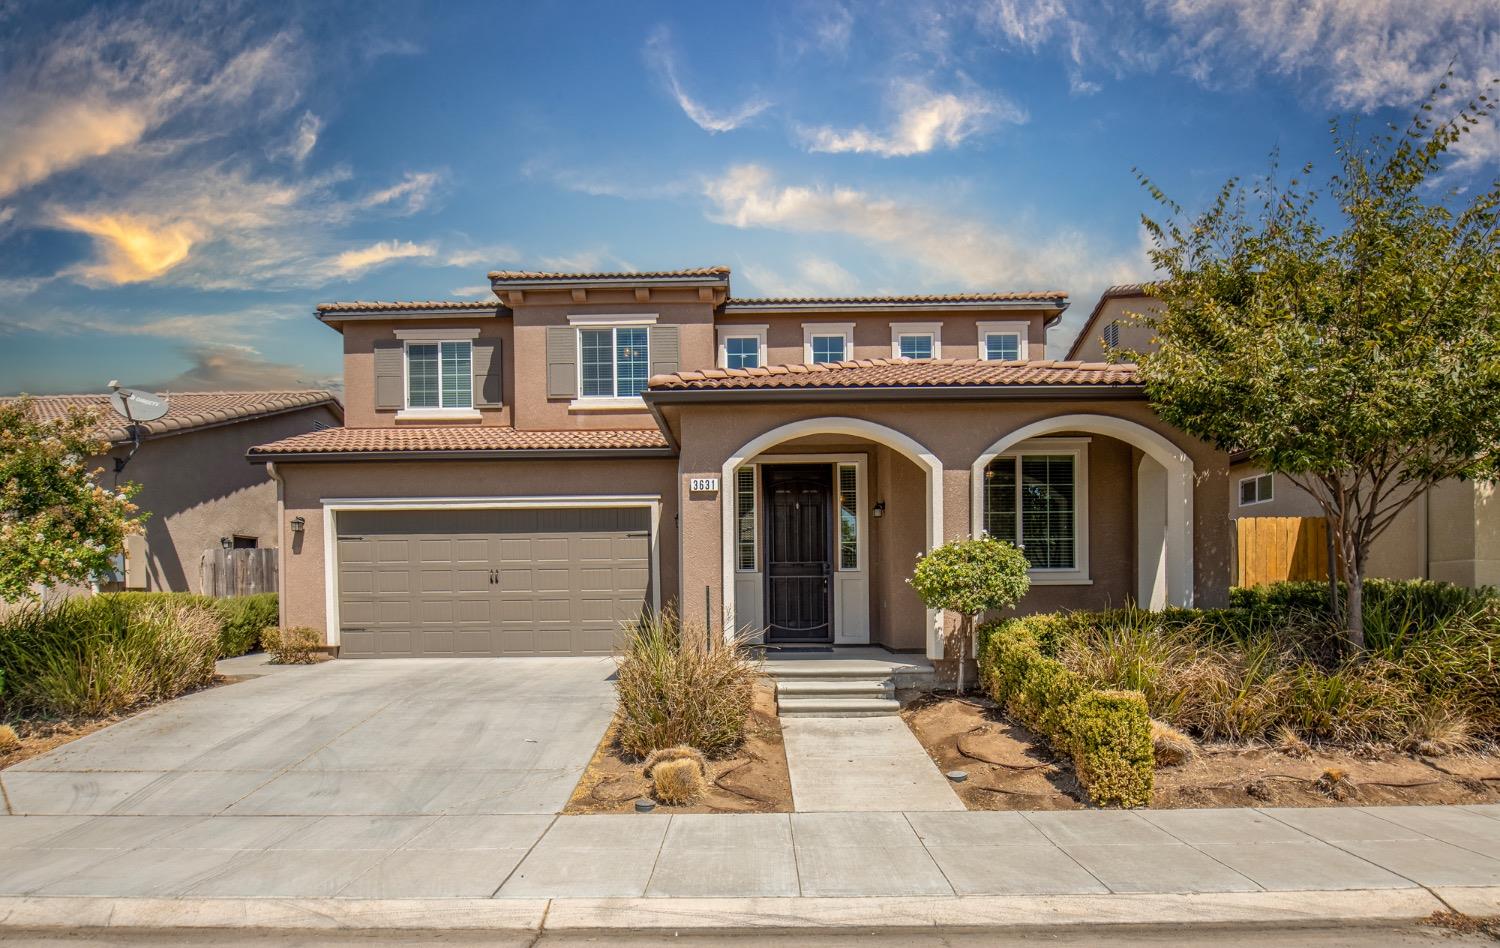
(198, 487)
(958, 432)
(1125, 310)
(872, 332)
(305, 485)
(359, 366)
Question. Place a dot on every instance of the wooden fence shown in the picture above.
(237, 572)
(1272, 549)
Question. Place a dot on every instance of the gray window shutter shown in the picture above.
(562, 362)
(666, 357)
(390, 374)
(486, 363)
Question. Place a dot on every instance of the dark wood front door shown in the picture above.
(799, 552)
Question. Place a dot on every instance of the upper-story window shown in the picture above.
(742, 346)
(613, 362)
(827, 342)
(1003, 341)
(917, 340)
(439, 374)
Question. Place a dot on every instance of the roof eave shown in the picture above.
(1093, 390)
(352, 315)
(499, 284)
(1056, 304)
(511, 454)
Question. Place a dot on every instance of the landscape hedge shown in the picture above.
(241, 618)
(1107, 734)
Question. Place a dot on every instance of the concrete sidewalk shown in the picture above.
(799, 856)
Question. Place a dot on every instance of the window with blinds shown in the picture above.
(1030, 500)
(848, 516)
(744, 500)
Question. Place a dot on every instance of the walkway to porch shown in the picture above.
(907, 670)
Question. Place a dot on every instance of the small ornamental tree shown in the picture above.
(1347, 337)
(57, 523)
(970, 577)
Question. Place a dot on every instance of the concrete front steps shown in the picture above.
(834, 689)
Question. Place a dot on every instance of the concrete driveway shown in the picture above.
(347, 738)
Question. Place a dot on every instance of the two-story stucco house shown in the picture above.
(516, 476)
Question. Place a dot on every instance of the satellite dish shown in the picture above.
(135, 405)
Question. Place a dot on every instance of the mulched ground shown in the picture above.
(1012, 769)
(753, 780)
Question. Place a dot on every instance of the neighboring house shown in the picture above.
(518, 476)
(194, 481)
(1450, 533)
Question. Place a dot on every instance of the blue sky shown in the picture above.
(181, 182)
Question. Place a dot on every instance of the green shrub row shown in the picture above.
(241, 618)
(1106, 733)
(104, 655)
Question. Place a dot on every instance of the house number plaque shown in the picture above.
(703, 484)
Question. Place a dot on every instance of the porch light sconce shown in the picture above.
(299, 524)
(226, 542)
(879, 510)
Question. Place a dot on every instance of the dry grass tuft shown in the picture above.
(9, 739)
(1171, 747)
(1335, 784)
(1290, 743)
(679, 752)
(679, 781)
(1438, 731)
(682, 684)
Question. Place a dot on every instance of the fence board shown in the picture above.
(224, 572)
(1272, 549)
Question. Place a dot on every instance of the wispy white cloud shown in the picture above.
(352, 263)
(661, 57)
(924, 120)
(491, 256)
(303, 140)
(410, 194)
(479, 291)
(607, 184)
(943, 244)
(588, 261)
(239, 368)
(811, 276)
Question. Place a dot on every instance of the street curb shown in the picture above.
(750, 914)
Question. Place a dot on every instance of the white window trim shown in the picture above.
(1240, 490)
(935, 330)
(726, 333)
(614, 402)
(603, 320)
(809, 330)
(1079, 449)
(440, 411)
(1013, 327)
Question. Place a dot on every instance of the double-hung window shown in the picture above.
(741, 352)
(439, 375)
(915, 346)
(828, 349)
(613, 362)
(1035, 499)
(827, 342)
(917, 340)
(1259, 489)
(1004, 340)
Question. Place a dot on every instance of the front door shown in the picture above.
(799, 552)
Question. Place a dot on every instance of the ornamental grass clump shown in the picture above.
(103, 655)
(298, 645)
(680, 684)
(679, 775)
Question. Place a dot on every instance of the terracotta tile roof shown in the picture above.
(186, 411)
(400, 306)
(902, 373)
(1044, 296)
(457, 439)
(502, 276)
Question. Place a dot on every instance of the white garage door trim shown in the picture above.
(333, 505)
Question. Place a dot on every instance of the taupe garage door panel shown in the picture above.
(414, 583)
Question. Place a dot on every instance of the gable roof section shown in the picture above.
(904, 376)
(186, 411)
(455, 441)
(1118, 291)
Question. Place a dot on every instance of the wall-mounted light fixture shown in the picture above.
(879, 510)
(299, 524)
(226, 542)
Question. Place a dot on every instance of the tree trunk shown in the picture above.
(1354, 608)
(962, 651)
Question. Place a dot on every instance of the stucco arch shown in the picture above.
(901, 443)
(1175, 536)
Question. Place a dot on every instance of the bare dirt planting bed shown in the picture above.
(753, 780)
(1011, 769)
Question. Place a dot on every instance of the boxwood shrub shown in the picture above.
(1107, 734)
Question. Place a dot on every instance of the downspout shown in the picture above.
(280, 541)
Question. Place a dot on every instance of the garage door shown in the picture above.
(554, 581)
